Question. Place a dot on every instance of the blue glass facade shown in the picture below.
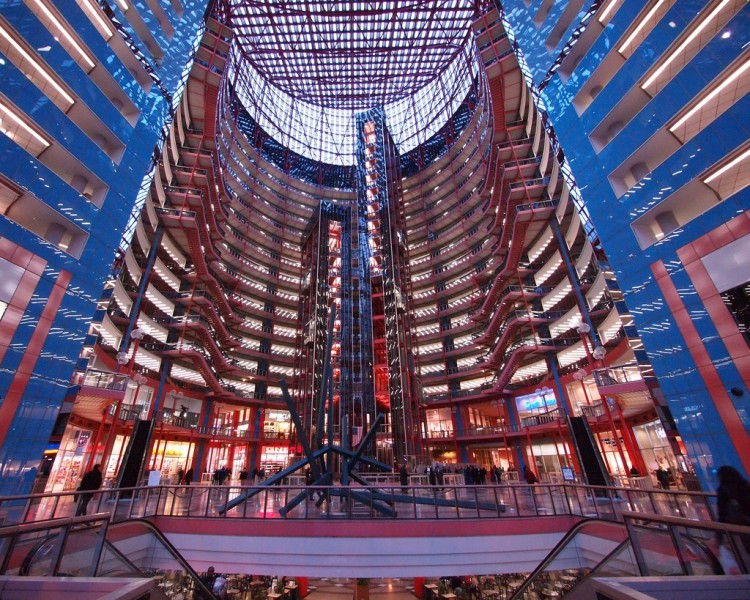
(35, 373)
(710, 420)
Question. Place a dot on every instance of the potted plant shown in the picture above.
(362, 589)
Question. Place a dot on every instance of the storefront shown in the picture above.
(277, 425)
(169, 457)
(438, 423)
(274, 458)
(549, 459)
(656, 450)
(113, 463)
(70, 462)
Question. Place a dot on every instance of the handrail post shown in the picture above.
(98, 549)
(637, 551)
(57, 552)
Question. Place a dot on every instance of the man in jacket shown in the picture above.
(91, 481)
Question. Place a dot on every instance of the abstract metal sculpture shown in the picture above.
(319, 457)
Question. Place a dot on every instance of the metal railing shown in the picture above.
(639, 546)
(105, 380)
(431, 502)
(91, 546)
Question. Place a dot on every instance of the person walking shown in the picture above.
(662, 476)
(403, 475)
(529, 476)
(91, 481)
(733, 497)
(309, 482)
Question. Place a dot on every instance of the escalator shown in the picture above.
(597, 548)
(91, 547)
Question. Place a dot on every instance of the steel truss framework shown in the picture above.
(307, 68)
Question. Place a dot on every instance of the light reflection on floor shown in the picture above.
(380, 589)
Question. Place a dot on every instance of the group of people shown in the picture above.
(498, 474)
(221, 475)
(184, 477)
(435, 474)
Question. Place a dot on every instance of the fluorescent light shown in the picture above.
(646, 19)
(37, 66)
(21, 123)
(607, 10)
(64, 31)
(693, 34)
(730, 165)
(95, 14)
(711, 96)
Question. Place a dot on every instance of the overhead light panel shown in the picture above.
(95, 14)
(709, 97)
(686, 42)
(730, 165)
(63, 30)
(13, 116)
(38, 68)
(644, 21)
(608, 9)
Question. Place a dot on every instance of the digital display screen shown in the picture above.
(536, 402)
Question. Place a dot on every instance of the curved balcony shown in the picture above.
(459, 396)
(187, 224)
(511, 327)
(528, 219)
(203, 299)
(516, 352)
(192, 353)
(510, 293)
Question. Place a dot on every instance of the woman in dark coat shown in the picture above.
(733, 499)
(529, 476)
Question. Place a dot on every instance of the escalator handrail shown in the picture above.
(57, 523)
(172, 550)
(717, 526)
(593, 572)
(630, 515)
(572, 532)
(714, 561)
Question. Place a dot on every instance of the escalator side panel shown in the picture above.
(591, 458)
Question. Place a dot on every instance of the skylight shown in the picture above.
(304, 69)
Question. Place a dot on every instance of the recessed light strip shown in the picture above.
(605, 13)
(23, 125)
(95, 14)
(644, 21)
(686, 42)
(65, 33)
(34, 63)
(715, 92)
(730, 165)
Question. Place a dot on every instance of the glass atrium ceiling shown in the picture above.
(303, 69)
